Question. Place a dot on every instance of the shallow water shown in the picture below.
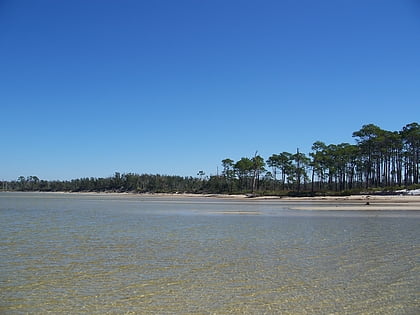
(65, 253)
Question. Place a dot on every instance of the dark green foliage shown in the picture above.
(118, 183)
(381, 161)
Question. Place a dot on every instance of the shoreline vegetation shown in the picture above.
(381, 162)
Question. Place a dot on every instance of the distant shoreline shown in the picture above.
(353, 202)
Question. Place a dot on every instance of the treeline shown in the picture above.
(378, 160)
(117, 183)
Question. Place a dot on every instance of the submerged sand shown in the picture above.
(359, 203)
(347, 203)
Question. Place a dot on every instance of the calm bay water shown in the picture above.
(65, 253)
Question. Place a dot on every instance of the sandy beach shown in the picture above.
(335, 203)
(359, 203)
(354, 202)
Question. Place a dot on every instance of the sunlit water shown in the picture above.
(63, 253)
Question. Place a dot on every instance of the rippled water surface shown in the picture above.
(65, 253)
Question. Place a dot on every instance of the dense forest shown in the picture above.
(380, 160)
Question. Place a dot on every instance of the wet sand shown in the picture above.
(347, 203)
(375, 204)
(354, 202)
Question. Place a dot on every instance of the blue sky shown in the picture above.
(90, 87)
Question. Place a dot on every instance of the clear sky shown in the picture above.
(90, 87)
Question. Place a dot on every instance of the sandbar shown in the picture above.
(334, 203)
